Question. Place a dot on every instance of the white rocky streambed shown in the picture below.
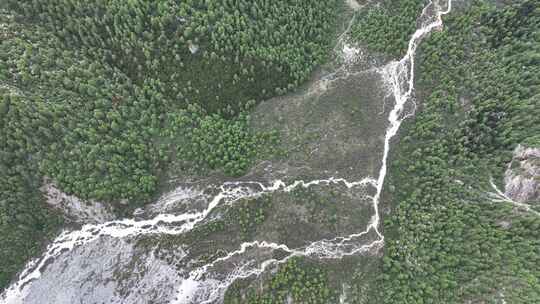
(77, 260)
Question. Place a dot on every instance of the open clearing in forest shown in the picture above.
(332, 127)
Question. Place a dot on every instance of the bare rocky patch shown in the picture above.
(75, 209)
(522, 178)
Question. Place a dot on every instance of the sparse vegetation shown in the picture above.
(250, 214)
(321, 206)
(297, 280)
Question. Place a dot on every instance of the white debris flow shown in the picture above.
(161, 224)
(203, 284)
(399, 76)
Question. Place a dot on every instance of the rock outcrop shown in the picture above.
(74, 208)
(522, 178)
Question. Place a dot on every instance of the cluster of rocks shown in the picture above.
(522, 178)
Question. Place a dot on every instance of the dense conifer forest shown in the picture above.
(388, 27)
(448, 242)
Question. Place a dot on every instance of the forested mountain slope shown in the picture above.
(101, 96)
(251, 151)
(479, 93)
